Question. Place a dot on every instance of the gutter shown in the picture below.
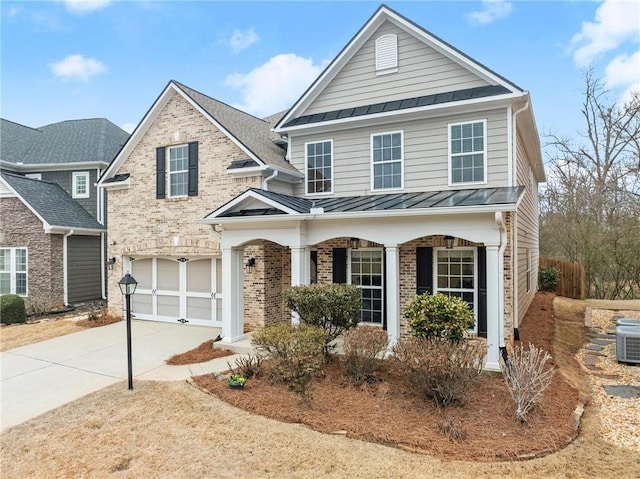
(65, 272)
(265, 182)
(514, 151)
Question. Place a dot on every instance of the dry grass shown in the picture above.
(16, 335)
(200, 354)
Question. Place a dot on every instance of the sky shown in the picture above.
(70, 59)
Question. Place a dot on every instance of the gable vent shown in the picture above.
(387, 54)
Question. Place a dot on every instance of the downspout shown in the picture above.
(65, 271)
(265, 182)
(102, 263)
(501, 250)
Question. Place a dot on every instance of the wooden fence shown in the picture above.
(571, 281)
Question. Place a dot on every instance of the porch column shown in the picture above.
(299, 275)
(493, 308)
(232, 295)
(393, 293)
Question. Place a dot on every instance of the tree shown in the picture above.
(590, 207)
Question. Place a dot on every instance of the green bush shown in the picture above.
(441, 370)
(297, 353)
(12, 309)
(548, 278)
(364, 349)
(439, 316)
(333, 307)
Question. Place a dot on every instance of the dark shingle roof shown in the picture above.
(71, 141)
(414, 102)
(393, 201)
(252, 132)
(239, 164)
(51, 202)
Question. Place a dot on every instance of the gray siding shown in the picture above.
(426, 160)
(83, 268)
(527, 230)
(65, 180)
(421, 71)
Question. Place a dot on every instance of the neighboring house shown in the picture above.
(409, 167)
(72, 155)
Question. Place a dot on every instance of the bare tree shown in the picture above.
(590, 207)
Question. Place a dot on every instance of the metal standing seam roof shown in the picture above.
(51, 202)
(393, 201)
(395, 105)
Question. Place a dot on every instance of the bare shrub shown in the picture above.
(527, 375)
(453, 428)
(248, 366)
(364, 348)
(441, 370)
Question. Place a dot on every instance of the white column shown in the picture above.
(232, 296)
(393, 293)
(493, 308)
(298, 274)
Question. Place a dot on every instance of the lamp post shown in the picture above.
(128, 287)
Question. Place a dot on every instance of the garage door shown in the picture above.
(185, 290)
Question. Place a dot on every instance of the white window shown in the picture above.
(528, 270)
(386, 54)
(34, 176)
(319, 161)
(13, 271)
(80, 184)
(178, 170)
(467, 152)
(366, 273)
(387, 160)
(455, 273)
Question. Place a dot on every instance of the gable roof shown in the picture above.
(250, 134)
(94, 140)
(51, 204)
(382, 14)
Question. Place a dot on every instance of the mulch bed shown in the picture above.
(387, 412)
(200, 354)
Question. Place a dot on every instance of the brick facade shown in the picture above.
(21, 228)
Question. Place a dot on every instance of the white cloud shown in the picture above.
(624, 71)
(81, 7)
(616, 22)
(491, 11)
(77, 67)
(129, 127)
(276, 84)
(242, 39)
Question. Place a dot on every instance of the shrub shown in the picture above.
(364, 349)
(526, 376)
(332, 307)
(12, 309)
(441, 370)
(248, 366)
(548, 278)
(439, 316)
(296, 351)
(454, 428)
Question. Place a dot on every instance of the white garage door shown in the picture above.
(185, 290)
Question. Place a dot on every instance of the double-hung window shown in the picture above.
(456, 275)
(386, 160)
(178, 170)
(467, 152)
(13, 271)
(319, 161)
(80, 184)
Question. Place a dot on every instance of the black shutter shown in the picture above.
(424, 270)
(160, 173)
(193, 169)
(340, 265)
(482, 292)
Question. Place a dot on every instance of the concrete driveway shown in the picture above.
(43, 376)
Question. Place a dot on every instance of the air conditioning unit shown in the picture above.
(628, 340)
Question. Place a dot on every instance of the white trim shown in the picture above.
(33, 176)
(484, 153)
(306, 168)
(372, 164)
(65, 267)
(76, 175)
(239, 199)
(381, 287)
(13, 271)
(45, 225)
(169, 172)
(511, 155)
(84, 165)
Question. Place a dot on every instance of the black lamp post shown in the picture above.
(128, 287)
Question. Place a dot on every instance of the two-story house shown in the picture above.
(53, 226)
(409, 167)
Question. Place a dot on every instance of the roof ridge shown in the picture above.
(20, 124)
(22, 177)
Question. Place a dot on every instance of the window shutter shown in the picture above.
(193, 169)
(160, 172)
(340, 265)
(482, 292)
(424, 270)
(386, 52)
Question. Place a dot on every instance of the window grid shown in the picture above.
(366, 274)
(387, 157)
(319, 167)
(455, 274)
(178, 170)
(467, 150)
(80, 185)
(13, 271)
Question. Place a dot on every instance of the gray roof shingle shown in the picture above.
(51, 202)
